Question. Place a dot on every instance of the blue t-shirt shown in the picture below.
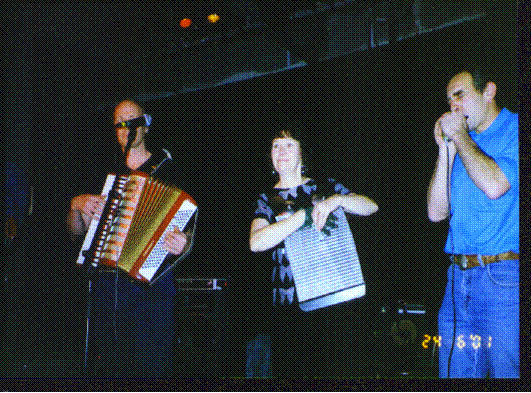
(479, 225)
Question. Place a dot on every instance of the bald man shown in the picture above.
(87, 206)
(132, 325)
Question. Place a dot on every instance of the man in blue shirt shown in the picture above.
(478, 154)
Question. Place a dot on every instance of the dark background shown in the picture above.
(367, 116)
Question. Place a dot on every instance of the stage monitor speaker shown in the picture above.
(201, 327)
(408, 342)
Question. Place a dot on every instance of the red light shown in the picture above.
(185, 22)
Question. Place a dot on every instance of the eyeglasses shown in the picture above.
(133, 124)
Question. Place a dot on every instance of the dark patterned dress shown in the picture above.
(296, 345)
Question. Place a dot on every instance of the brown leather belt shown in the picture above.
(470, 261)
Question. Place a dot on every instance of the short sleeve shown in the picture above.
(263, 210)
(507, 159)
(338, 188)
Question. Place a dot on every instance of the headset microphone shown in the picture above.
(130, 138)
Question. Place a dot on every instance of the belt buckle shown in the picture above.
(461, 261)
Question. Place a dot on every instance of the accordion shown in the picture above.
(326, 269)
(139, 211)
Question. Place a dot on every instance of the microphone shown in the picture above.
(446, 139)
(130, 138)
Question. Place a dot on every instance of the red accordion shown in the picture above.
(138, 212)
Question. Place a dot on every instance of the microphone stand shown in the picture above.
(92, 268)
(91, 274)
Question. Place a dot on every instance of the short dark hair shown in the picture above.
(480, 77)
(297, 134)
(294, 134)
(285, 133)
(480, 73)
(502, 75)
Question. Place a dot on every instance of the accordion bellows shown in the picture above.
(139, 210)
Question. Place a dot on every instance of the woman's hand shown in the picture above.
(321, 210)
(352, 203)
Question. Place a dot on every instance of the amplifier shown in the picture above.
(202, 327)
(408, 343)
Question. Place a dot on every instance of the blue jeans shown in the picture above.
(486, 341)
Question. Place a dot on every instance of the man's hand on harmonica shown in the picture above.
(175, 242)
